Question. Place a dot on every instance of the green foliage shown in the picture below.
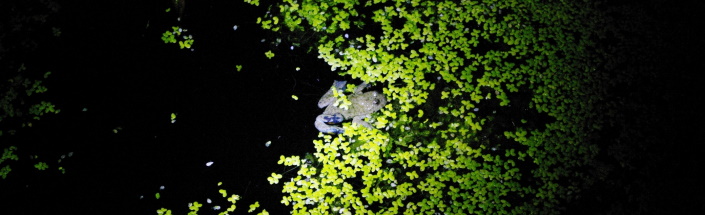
(253, 2)
(4, 171)
(194, 207)
(175, 36)
(7, 154)
(16, 104)
(253, 207)
(24, 28)
(20, 108)
(341, 99)
(164, 211)
(493, 105)
(41, 166)
(274, 179)
(269, 54)
(42, 108)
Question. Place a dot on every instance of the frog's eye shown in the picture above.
(376, 102)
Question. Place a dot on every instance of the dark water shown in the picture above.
(111, 62)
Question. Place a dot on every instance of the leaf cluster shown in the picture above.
(175, 36)
(493, 104)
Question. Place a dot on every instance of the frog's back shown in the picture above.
(368, 102)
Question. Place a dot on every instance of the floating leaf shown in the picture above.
(194, 206)
(41, 166)
(233, 198)
(274, 179)
(269, 54)
(253, 207)
(163, 211)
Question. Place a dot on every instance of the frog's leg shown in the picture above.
(326, 123)
(330, 119)
(328, 98)
(361, 121)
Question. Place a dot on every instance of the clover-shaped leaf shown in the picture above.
(269, 54)
(253, 207)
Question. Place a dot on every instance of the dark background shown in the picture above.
(110, 60)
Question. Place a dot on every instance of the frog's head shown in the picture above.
(372, 101)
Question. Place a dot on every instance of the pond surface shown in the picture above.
(117, 85)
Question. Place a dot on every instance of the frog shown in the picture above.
(363, 104)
